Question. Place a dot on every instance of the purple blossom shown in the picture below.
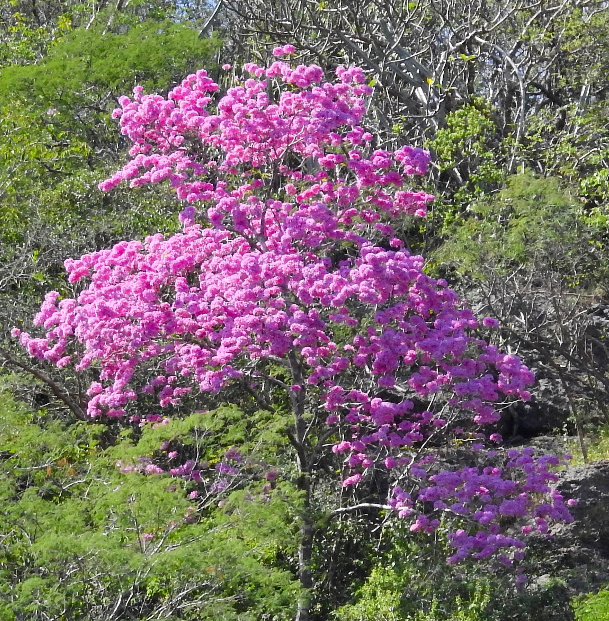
(249, 279)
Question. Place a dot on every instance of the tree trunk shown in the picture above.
(299, 441)
(305, 551)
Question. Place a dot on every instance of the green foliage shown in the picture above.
(83, 540)
(54, 115)
(597, 445)
(380, 599)
(594, 607)
(580, 157)
(154, 54)
(24, 42)
(532, 219)
(468, 151)
(207, 432)
(414, 583)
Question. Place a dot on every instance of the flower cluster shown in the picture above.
(209, 480)
(250, 135)
(488, 497)
(290, 251)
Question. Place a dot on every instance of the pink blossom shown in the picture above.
(277, 267)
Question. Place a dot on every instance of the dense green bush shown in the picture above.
(593, 607)
(83, 540)
(413, 583)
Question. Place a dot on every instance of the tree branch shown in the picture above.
(55, 388)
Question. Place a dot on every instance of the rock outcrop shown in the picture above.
(579, 552)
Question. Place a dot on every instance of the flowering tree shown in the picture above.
(290, 274)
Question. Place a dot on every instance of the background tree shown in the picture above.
(85, 539)
(532, 255)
